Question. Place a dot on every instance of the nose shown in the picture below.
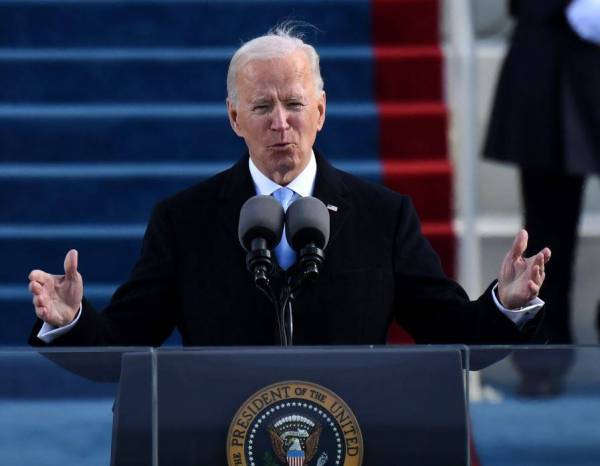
(279, 119)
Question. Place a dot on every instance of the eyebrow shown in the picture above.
(261, 100)
(268, 99)
(294, 97)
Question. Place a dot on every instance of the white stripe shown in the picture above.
(112, 170)
(101, 231)
(157, 111)
(157, 53)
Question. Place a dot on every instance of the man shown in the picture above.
(191, 273)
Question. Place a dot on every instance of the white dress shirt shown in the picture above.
(303, 184)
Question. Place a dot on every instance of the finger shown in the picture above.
(542, 278)
(535, 271)
(39, 276)
(538, 275)
(35, 287)
(38, 301)
(71, 260)
(519, 245)
(42, 313)
(547, 254)
(534, 289)
(539, 260)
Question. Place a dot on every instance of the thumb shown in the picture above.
(519, 244)
(71, 264)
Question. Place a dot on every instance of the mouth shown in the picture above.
(282, 145)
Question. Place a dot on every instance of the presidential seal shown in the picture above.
(294, 423)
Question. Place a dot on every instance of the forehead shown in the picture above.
(288, 73)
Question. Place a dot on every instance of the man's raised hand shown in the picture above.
(57, 298)
(520, 277)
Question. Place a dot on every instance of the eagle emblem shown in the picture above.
(294, 423)
(295, 439)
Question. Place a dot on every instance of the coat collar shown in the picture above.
(236, 188)
(329, 188)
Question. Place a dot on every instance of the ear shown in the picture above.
(233, 117)
(321, 107)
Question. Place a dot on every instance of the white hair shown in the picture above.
(278, 42)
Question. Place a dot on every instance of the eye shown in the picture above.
(295, 105)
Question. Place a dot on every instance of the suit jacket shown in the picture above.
(547, 104)
(191, 275)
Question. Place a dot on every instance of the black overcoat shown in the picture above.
(191, 275)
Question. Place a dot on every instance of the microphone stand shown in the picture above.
(260, 263)
(308, 268)
(284, 314)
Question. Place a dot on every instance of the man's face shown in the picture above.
(278, 113)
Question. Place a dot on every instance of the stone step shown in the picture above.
(153, 132)
(166, 75)
(134, 23)
(64, 194)
(34, 23)
(404, 74)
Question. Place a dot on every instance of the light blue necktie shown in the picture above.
(286, 256)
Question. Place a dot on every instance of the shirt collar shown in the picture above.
(303, 184)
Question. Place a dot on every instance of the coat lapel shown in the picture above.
(237, 188)
(331, 189)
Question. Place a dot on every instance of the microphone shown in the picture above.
(307, 232)
(259, 230)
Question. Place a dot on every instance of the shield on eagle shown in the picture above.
(295, 439)
(295, 455)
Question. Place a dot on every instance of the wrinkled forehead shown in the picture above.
(291, 71)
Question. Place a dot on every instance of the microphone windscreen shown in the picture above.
(261, 217)
(307, 221)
